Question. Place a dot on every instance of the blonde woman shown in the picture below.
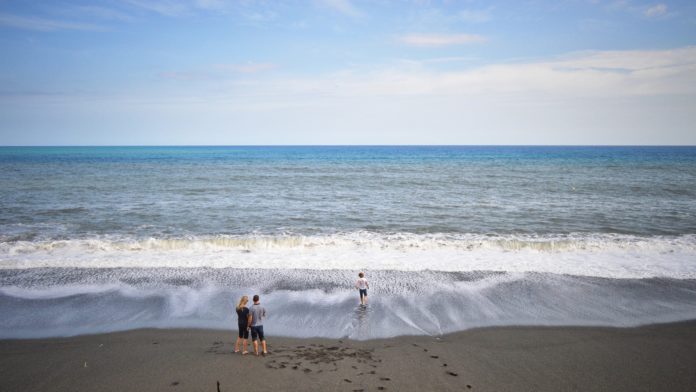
(243, 321)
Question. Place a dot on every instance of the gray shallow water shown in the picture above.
(304, 303)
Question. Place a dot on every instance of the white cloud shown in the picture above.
(438, 40)
(42, 24)
(656, 11)
(595, 97)
(586, 75)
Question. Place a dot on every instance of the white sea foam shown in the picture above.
(304, 303)
(602, 255)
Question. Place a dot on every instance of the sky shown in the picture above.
(238, 72)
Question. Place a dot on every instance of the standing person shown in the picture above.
(257, 314)
(243, 321)
(362, 285)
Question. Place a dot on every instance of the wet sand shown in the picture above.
(651, 358)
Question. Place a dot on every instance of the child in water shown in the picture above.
(362, 285)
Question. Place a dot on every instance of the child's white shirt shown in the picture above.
(362, 284)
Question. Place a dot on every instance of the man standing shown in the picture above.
(257, 314)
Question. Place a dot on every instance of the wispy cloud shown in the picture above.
(211, 4)
(99, 12)
(44, 24)
(260, 15)
(246, 67)
(217, 71)
(617, 97)
(181, 8)
(586, 75)
(655, 11)
(438, 40)
(474, 16)
(163, 7)
(343, 6)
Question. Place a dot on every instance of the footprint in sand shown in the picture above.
(174, 383)
(385, 378)
(452, 374)
(434, 356)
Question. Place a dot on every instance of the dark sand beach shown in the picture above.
(650, 358)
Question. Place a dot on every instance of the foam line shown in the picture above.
(602, 255)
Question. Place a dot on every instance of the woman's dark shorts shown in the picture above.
(363, 293)
(257, 333)
(243, 331)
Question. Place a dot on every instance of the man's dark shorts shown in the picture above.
(243, 331)
(257, 333)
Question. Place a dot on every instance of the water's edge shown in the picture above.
(46, 302)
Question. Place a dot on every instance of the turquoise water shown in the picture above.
(108, 238)
(78, 192)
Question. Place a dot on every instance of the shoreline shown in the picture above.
(656, 357)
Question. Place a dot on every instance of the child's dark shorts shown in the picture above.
(363, 293)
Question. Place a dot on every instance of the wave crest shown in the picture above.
(605, 255)
(367, 240)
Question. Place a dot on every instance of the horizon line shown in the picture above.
(347, 145)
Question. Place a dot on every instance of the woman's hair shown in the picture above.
(242, 301)
(361, 275)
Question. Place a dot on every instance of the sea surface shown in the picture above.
(96, 239)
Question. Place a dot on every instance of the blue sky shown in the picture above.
(347, 72)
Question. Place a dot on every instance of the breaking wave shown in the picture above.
(602, 255)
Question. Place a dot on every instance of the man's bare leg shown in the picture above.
(256, 347)
(263, 345)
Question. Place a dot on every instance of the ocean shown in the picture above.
(98, 239)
